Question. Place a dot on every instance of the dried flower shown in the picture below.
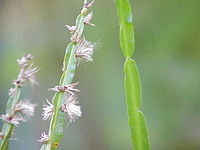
(21, 112)
(88, 18)
(11, 91)
(84, 51)
(27, 72)
(11, 119)
(88, 4)
(71, 107)
(23, 62)
(74, 38)
(70, 88)
(48, 110)
(17, 83)
(71, 29)
(25, 109)
(44, 138)
(30, 74)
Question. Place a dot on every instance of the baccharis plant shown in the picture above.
(131, 75)
(17, 110)
(65, 102)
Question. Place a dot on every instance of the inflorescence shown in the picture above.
(20, 110)
(83, 52)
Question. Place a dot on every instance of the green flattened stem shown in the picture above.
(7, 129)
(57, 123)
(132, 81)
(127, 41)
(133, 99)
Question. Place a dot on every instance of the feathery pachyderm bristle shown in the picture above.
(17, 110)
(65, 104)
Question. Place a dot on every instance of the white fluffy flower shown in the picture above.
(44, 138)
(21, 112)
(23, 62)
(71, 29)
(84, 51)
(29, 74)
(48, 110)
(88, 18)
(70, 88)
(15, 119)
(71, 107)
(25, 109)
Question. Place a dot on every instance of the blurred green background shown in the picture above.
(167, 53)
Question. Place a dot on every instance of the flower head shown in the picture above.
(88, 4)
(71, 29)
(48, 110)
(27, 72)
(88, 18)
(44, 138)
(84, 51)
(71, 107)
(70, 88)
(21, 112)
(23, 62)
(30, 74)
(15, 119)
(25, 109)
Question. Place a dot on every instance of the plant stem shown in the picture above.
(7, 129)
(131, 78)
(69, 66)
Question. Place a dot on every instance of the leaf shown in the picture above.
(133, 98)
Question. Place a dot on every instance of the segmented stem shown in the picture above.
(131, 77)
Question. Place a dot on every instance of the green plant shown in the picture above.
(17, 110)
(132, 80)
(64, 102)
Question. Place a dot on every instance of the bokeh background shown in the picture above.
(167, 53)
